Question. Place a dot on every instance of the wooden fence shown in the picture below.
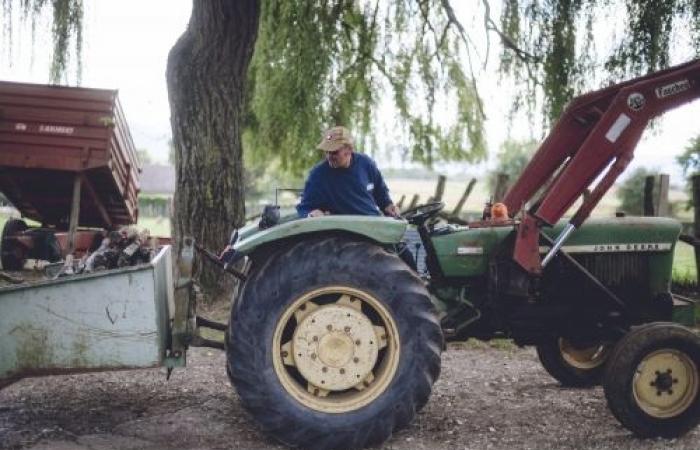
(655, 203)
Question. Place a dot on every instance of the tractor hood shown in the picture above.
(383, 230)
(466, 252)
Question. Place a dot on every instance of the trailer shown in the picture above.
(128, 318)
(67, 160)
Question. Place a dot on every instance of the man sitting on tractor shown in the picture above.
(345, 182)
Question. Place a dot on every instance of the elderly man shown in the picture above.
(345, 182)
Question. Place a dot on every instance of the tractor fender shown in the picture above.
(383, 230)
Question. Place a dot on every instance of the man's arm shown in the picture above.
(311, 199)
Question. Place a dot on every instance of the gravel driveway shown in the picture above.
(486, 398)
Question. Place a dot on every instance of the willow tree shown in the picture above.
(267, 76)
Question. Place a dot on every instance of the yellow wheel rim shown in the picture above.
(583, 358)
(665, 383)
(335, 349)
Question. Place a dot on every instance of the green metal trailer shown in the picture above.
(128, 318)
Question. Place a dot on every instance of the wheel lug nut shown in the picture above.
(313, 356)
(356, 359)
(324, 370)
(315, 338)
(669, 371)
(342, 371)
(357, 342)
(675, 380)
(653, 383)
(329, 328)
(658, 373)
(658, 393)
(347, 329)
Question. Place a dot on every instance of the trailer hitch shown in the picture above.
(199, 341)
(225, 266)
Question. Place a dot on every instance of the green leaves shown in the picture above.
(557, 44)
(66, 30)
(319, 64)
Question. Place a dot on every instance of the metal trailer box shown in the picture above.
(51, 136)
(110, 320)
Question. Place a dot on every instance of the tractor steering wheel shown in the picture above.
(419, 214)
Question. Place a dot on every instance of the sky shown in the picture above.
(126, 48)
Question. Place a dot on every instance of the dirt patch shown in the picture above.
(487, 398)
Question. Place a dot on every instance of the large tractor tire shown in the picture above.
(572, 365)
(12, 254)
(333, 344)
(652, 382)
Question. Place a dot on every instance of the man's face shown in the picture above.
(340, 159)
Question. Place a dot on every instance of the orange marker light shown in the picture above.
(499, 212)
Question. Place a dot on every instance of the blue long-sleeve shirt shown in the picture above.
(358, 189)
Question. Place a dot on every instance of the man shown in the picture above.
(345, 182)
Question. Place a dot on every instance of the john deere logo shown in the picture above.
(636, 101)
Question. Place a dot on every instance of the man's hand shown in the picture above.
(317, 213)
(392, 211)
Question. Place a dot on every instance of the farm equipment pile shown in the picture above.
(68, 164)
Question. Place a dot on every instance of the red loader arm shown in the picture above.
(597, 130)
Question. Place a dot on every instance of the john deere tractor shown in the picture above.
(334, 340)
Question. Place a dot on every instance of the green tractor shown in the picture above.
(334, 341)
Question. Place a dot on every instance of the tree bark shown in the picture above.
(206, 78)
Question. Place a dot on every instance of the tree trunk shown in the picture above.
(206, 77)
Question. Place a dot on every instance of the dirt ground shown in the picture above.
(486, 398)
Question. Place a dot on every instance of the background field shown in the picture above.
(684, 260)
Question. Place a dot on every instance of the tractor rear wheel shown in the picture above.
(574, 365)
(652, 382)
(333, 344)
(12, 253)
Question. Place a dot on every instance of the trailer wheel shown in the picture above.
(12, 254)
(333, 344)
(652, 382)
(572, 365)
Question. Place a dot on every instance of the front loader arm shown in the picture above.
(598, 130)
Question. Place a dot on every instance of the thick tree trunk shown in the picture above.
(206, 78)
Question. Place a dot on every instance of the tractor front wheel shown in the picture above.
(333, 344)
(652, 382)
(574, 365)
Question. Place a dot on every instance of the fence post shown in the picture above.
(696, 219)
(414, 202)
(501, 187)
(440, 188)
(463, 199)
(399, 204)
(648, 206)
(661, 205)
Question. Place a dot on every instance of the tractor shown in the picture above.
(334, 341)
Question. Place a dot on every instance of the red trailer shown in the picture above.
(67, 159)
